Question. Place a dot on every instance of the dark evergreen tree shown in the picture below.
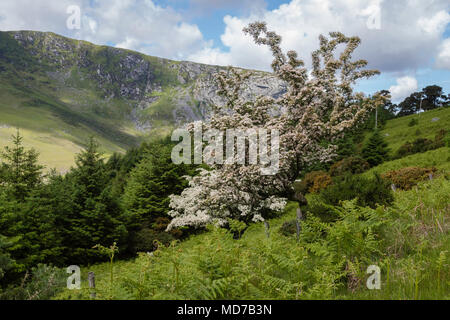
(375, 151)
(6, 262)
(95, 217)
(22, 177)
(21, 172)
(146, 195)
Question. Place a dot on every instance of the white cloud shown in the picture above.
(129, 43)
(410, 34)
(443, 58)
(435, 24)
(404, 87)
(143, 26)
(409, 38)
(133, 24)
(34, 15)
(246, 5)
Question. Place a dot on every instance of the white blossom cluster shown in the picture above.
(318, 109)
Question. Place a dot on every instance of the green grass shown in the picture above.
(59, 107)
(397, 132)
(439, 158)
(57, 120)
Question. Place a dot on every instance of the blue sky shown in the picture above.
(210, 20)
(407, 40)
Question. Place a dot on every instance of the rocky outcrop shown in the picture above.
(138, 79)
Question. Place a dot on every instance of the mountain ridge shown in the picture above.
(121, 96)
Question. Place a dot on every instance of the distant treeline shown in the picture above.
(429, 98)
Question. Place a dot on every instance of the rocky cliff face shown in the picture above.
(156, 91)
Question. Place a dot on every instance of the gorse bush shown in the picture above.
(312, 126)
(313, 182)
(320, 182)
(370, 192)
(406, 178)
(417, 146)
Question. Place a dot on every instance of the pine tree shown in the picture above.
(21, 172)
(21, 177)
(95, 217)
(146, 195)
(375, 151)
(6, 262)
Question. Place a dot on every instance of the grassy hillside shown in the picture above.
(60, 91)
(56, 117)
(397, 132)
(53, 129)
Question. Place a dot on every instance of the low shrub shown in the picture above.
(376, 150)
(406, 178)
(422, 145)
(413, 122)
(353, 165)
(440, 139)
(314, 182)
(369, 192)
(418, 146)
(42, 283)
(145, 240)
(288, 228)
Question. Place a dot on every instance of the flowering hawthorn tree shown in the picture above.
(316, 111)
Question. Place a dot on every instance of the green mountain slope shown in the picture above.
(59, 91)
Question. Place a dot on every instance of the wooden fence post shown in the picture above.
(91, 279)
(267, 229)
(299, 218)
